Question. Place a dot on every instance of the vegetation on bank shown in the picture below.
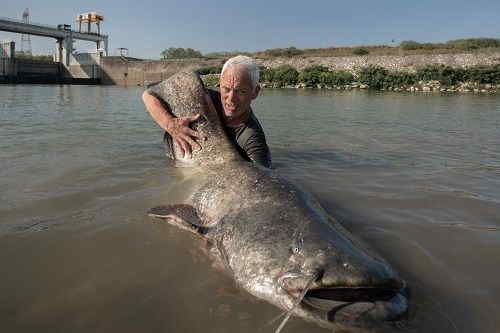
(180, 53)
(34, 58)
(407, 47)
(434, 77)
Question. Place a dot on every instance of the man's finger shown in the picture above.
(195, 134)
(180, 145)
(193, 118)
(187, 148)
(194, 145)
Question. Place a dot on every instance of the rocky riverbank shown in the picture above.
(212, 80)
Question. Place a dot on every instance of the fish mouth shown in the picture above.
(363, 306)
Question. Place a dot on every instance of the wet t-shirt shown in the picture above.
(249, 137)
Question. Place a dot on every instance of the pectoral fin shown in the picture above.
(181, 216)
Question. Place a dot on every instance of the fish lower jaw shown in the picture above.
(362, 314)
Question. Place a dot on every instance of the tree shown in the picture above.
(180, 53)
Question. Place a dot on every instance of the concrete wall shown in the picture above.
(34, 68)
(6, 68)
(117, 70)
(83, 66)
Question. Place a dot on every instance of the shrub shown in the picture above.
(209, 70)
(398, 79)
(266, 74)
(285, 75)
(287, 52)
(474, 43)
(373, 76)
(311, 75)
(180, 53)
(483, 74)
(360, 51)
(445, 74)
(409, 45)
(339, 78)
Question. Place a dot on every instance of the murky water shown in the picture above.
(416, 176)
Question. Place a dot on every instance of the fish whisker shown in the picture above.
(297, 302)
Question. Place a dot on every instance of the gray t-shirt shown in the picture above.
(249, 138)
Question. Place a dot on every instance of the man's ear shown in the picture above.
(256, 91)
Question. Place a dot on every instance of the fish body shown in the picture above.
(273, 238)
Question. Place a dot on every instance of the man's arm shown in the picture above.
(178, 128)
(257, 150)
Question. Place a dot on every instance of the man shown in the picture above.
(239, 85)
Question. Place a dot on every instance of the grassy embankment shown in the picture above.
(428, 78)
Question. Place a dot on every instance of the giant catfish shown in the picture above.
(275, 240)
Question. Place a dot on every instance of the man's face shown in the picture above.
(236, 91)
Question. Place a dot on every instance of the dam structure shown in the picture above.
(69, 66)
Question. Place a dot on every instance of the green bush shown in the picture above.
(339, 78)
(180, 53)
(483, 74)
(360, 51)
(398, 79)
(445, 74)
(474, 43)
(287, 52)
(410, 45)
(209, 70)
(285, 75)
(373, 76)
(311, 75)
(266, 74)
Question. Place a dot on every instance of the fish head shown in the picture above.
(334, 279)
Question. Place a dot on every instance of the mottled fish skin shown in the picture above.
(272, 237)
(185, 95)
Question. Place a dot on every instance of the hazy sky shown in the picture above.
(147, 27)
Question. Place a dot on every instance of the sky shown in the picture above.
(147, 27)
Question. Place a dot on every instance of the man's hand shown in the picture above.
(178, 128)
(184, 136)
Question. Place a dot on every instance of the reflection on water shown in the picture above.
(417, 176)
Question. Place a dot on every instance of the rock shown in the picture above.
(487, 86)
(484, 90)
(425, 88)
(442, 90)
(363, 86)
(476, 90)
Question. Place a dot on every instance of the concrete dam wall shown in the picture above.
(125, 72)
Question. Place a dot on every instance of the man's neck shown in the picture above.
(235, 122)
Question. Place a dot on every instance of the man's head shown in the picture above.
(239, 85)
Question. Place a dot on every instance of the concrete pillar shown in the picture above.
(67, 49)
(106, 47)
(60, 50)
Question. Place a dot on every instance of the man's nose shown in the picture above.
(232, 96)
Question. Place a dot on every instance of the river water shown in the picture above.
(416, 176)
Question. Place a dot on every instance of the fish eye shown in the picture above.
(295, 249)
